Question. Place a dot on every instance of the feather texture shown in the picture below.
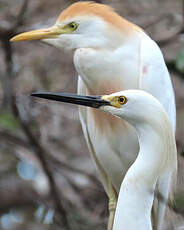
(105, 12)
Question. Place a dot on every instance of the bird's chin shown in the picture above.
(109, 109)
(118, 112)
(52, 42)
(57, 43)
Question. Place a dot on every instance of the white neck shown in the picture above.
(137, 190)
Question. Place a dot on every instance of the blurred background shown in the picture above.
(47, 179)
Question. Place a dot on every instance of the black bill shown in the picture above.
(91, 101)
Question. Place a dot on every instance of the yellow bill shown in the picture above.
(52, 32)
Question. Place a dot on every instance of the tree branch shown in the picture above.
(8, 82)
(10, 191)
(40, 153)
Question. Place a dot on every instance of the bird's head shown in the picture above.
(135, 106)
(83, 25)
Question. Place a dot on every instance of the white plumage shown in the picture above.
(157, 157)
(110, 55)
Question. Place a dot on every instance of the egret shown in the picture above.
(111, 54)
(157, 156)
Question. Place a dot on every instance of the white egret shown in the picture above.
(111, 54)
(157, 157)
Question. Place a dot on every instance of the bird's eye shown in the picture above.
(122, 100)
(73, 26)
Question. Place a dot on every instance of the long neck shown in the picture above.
(136, 194)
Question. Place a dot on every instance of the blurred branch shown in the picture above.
(171, 37)
(152, 22)
(168, 36)
(8, 79)
(60, 164)
(10, 191)
(21, 16)
(183, 11)
(10, 101)
(9, 137)
(40, 153)
(7, 30)
(55, 162)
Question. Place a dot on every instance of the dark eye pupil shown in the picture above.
(72, 25)
(121, 99)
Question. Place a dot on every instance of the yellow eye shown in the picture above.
(122, 100)
(73, 26)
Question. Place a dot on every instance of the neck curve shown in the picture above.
(157, 147)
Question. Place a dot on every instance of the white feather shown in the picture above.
(157, 158)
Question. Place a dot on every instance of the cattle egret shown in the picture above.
(111, 54)
(156, 159)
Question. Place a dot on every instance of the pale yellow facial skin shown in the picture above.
(114, 100)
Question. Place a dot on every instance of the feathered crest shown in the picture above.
(107, 13)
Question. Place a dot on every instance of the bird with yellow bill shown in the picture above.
(111, 54)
